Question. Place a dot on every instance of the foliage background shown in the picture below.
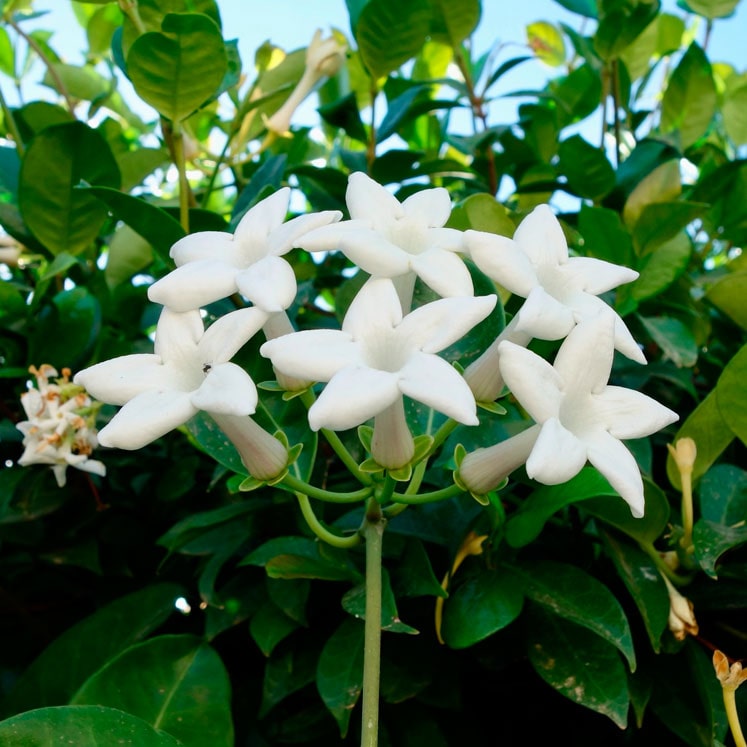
(565, 614)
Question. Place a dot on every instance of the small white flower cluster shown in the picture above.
(60, 428)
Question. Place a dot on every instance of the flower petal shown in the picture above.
(584, 360)
(316, 354)
(217, 246)
(118, 380)
(630, 414)
(353, 396)
(177, 335)
(443, 271)
(619, 466)
(227, 335)
(262, 218)
(434, 382)
(147, 417)
(228, 390)
(598, 276)
(543, 316)
(291, 233)
(532, 380)
(626, 343)
(557, 456)
(502, 260)
(369, 200)
(269, 284)
(373, 253)
(436, 325)
(429, 207)
(194, 284)
(374, 311)
(540, 236)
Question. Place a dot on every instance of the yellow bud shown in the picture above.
(683, 452)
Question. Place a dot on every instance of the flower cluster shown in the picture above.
(60, 428)
(386, 350)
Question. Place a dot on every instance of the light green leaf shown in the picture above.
(7, 54)
(176, 683)
(661, 268)
(729, 293)
(734, 112)
(661, 184)
(178, 70)
(621, 26)
(56, 160)
(451, 22)
(711, 8)
(674, 338)
(82, 726)
(546, 41)
(81, 82)
(482, 212)
(730, 391)
(661, 221)
(129, 253)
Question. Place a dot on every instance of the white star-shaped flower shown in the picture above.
(390, 239)
(189, 371)
(560, 290)
(578, 416)
(215, 264)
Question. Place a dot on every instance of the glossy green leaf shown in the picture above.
(480, 605)
(354, 603)
(616, 512)
(733, 108)
(390, 33)
(661, 221)
(339, 675)
(7, 54)
(710, 8)
(414, 576)
(728, 293)
(205, 434)
(579, 665)
(676, 341)
(586, 168)
(344, 114)
(690, 101)
(179, 69)
(269, 626)
(28, 495)
(574, 595)
(525, 525)
(452, 23)
(176, 683)
(80, 82)
(712, 540)
(659, 269)
(81, 650)
(82, 726)
(482, 212)
(129, 253)
(586, 8)
(56, 160)
(546, 41)
(723, 495)
(730, 394)
(654, 183)
(604, 235)
(644, 582)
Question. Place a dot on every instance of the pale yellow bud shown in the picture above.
(682, 620)
(683, 452)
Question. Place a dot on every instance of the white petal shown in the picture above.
(291, 234)
(443, 271)
(502, 260)
(118, 380)
(93, 466)
(228, 390)
(532, 380)
(630, 414)
(316, 355)
(147, 417)
(227, 335)
(434, 382)
(626, 343)
(438, 324)
(429, 207)
(448, 239)
(374, 311)
(598, 276)
(177, 335)
(369, 200)
(557, 455)
(544, 317)
(327, 238)
(263, 218)
(217, 246)
(194, 284)
(353, 396)
(540, 236)
(618, 465)
(269, 283)
(373, 253)
(584, 360)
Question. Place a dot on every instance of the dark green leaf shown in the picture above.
(723, 495)
(674, 338)
(354, 603)
(587, 8)
(286, 673)
(604, 235)
(176, 683)
(57, 159)
(712, 540)
(661, 268)
(660, 221)
(269, 626)
(414, 576)
(82, 726)
(344, 114)
(290, 595)
(129, 253)
(205, 434)
(397, 111)
(587, 169)
(620, 27)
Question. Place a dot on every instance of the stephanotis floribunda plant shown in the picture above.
(386, 357)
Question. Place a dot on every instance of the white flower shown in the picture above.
(188, 372)
(378, 357)
(214, 264)
(579, 416)
(59, 430)
(560, 290)
(390, 239)
(324, 58)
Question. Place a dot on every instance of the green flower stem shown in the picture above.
(373, 529)
(10, 123)
(178, 146)
(732, 715)
(442, 434)
(417, 477)
(130, 9)
(321, 531)
(296, 485)
(437, 495)
(663, 568)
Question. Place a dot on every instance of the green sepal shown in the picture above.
(423, 445)
(270, 386)
(250, 483)
(370, 466)
(365, 435)
(459, 453)
(278, 478)
(290, 394)
(493, 407)
(401, 474)
(484, 500)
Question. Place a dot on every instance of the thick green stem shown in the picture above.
(438, 495)
(321, 531)
(10, 123)
(293, 484)
(442, 434)
(373, 529)
(178, 146)
(653, 553)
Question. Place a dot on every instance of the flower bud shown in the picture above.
(682, 620)
(684, 453)
(730, 677)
